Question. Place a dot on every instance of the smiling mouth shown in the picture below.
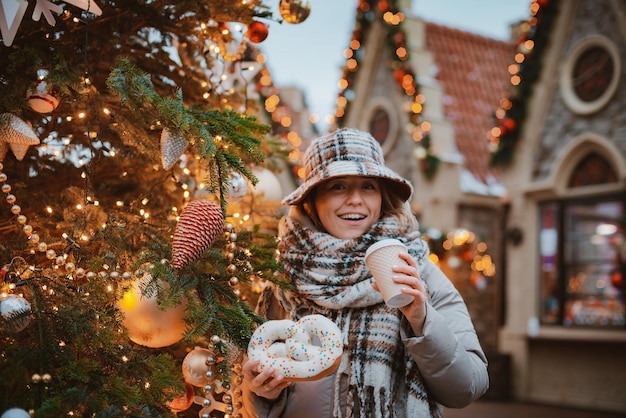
(352, 217)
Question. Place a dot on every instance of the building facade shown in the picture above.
(546, 195)
(565, 322)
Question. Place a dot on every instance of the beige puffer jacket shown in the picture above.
(449, 357)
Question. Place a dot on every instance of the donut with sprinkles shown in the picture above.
(307, 349)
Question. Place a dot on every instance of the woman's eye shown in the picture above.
(336, 186)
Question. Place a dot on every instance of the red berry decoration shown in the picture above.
(257, 32)
(199, 225)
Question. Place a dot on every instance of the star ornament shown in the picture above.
(11, 15)
(16, 135)
(12, 12)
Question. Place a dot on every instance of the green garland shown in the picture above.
(510, 125)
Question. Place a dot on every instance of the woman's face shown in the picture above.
(348, 206)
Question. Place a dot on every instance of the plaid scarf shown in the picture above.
(331, 279)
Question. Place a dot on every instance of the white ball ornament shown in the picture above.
(237, 186)
(147, 323)
(15, 309)
(268, 186)
(43, 99)
(15, 413)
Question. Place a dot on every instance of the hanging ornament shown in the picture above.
(200, 223)
(172, 147)
(46, 8)
(15, 10)
(15, 311)
(257, 32)
(15, 413)
(197, 366)
(147, 323)
(17, 134)
(183, 401)
(294, 11)
(268, 186)
(43, 99)
(12, 13)
(237, 186)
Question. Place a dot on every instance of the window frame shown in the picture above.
(566, 82)
(562, 264)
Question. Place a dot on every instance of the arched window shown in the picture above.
(582, 248)
(591, 170)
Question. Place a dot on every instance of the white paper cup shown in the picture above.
(380, 258)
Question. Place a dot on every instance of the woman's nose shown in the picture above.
(354, 195)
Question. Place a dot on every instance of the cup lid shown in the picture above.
(383, 243)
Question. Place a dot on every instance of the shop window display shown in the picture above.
(583, 263)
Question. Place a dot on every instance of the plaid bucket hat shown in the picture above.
(346, 152)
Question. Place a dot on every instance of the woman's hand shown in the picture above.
(267, 384)
(408, 276)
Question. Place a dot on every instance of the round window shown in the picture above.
(590, 75)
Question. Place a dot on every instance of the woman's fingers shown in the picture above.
(267, 383)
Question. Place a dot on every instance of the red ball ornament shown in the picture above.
(617, 280)
(43, 99)
(183, 401)
(257, 32)
(509, 124)
(399, 75)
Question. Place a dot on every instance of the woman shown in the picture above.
(405, 362)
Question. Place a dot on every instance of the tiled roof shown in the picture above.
(473, 71)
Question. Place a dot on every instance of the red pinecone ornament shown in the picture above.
(199, 225)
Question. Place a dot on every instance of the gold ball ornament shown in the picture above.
(147, 323)
(294, 11)
(196, 364)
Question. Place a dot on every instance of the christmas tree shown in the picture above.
(126, 134)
